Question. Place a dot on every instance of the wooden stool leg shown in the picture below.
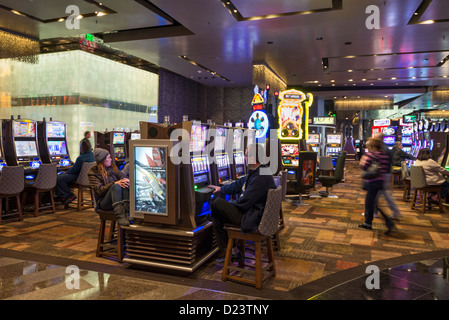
(36, 203)
(258, 264)
(120, 244)
(424, 201)
(415, 193)
(53, 206)
(1, 208)
(19, 208)
(111, 230)
(101, 237)
(227, 261)
(80, 198)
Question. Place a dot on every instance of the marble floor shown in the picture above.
(323, 255)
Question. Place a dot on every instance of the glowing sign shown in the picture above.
(257, 102)
(382, 122)
(293, 114)
(259, 122)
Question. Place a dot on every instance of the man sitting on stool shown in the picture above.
(247, 210)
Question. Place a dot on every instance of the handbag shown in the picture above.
(373, 171)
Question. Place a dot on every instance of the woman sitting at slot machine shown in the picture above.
(63, 191)
(399, 155)
(435, 174)
(110, 186)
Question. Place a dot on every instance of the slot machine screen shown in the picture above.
(150, 184)
(57, 148)
(26, 148)
(198, 138)
(119, 151)
(55, 130)
(238, 140)
(135, 136)
(220, 139)
(24, 129)
(333, 138)
(290, 149)
(407, 131)
(389, 140)
(118, 138)
(313, 138)
(406, 140)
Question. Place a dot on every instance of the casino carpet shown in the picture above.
(320, 239)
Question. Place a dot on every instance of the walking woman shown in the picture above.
(373, 182)
(111, 187)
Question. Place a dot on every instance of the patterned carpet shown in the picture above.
(319, 239)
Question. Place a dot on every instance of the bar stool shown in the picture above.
(267, 228)
(326, 166)
(418, 182)
(406, 181)
(83, 182)
(106, 247)
(45, 182)
(12, 183)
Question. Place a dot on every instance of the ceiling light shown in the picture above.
(363, 79)
(101, 13)
(61, 20)
(350, 70)
(79, 17)
(394, 78)
(17, 12)
(428, 22)
(350, 80)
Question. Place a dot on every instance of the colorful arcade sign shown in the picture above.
(293, 114)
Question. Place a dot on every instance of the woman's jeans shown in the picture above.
(115, 194)
(63, 185)
(372, 189)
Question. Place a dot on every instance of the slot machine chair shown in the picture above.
(330, 181)
(83, 182)
(326, 166)
(418, 182)
(12, 183)
(405, 174)
(268, 227)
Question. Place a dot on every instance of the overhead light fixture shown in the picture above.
(101, 13)
(325, 63)
(79, 17)
(17, 12)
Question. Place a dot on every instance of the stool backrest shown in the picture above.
(284, 175)
(326, 164)
(12, 180)
(404, 170)
(46, 176)
(417, 177)
(340, 167)
(269, 223)
(83, 178)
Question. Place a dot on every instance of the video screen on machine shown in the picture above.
(26, 148)
(24, 129)
(57, 148)
(55, 130)
(119, 151)
(333, 138)
(135, 136)
(150, 172)
(313, 138)
(389, 140)
(118, 138)
(388, 131)
(406, 140)
(290, 149)
(407, 131)
(220, 139)
(198, 138)
(238, 140)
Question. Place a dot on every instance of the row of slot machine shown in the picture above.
(30, 143)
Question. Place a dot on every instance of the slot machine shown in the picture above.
(406, 138)
(358, 145)
(238, 167)
(114, 142)
(333, 145)
(135, 135)
(314, 140)
(389, 136)
(221, 167)
(53, 144)
(21, 146)
(290, 159)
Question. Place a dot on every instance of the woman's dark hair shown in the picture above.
(84, 146)
(424, 154)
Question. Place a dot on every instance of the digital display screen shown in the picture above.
(64, 162)
(333, 138)
(2, 164)
(407, 131)
(388, 131)
(406, 140)
(118, 138)
(289, 149)
(150, 172)
(56, 148)
(135, 136)
(119, 151)
(313, 138)
(55, 130)
(24, 129)
(238, 140)
(198, 138)
(220, 139)
(26, 148)
(389, 140)
(222, 161)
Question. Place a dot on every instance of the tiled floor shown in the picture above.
(323, 255)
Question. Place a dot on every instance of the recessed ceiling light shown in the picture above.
(350, 80)
(394, 78)
(319, 38)
(348, 43)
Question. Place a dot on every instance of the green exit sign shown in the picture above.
(89, 37)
